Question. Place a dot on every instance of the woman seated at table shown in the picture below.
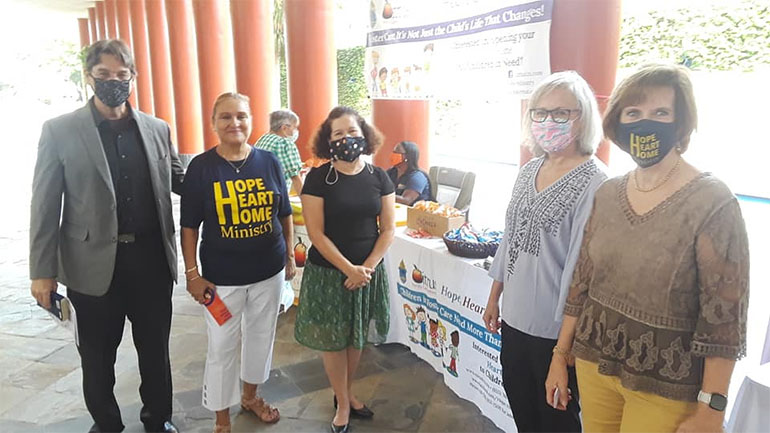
(656, 313)
(412, 184)
(533, 266)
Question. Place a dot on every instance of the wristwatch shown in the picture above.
(715, 401)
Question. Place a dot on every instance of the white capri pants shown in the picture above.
(255, 311)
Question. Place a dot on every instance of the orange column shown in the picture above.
(401, 120)
(85, 38)
(111, 17)
(584, 38)
(255, 60)
(92, 24)
(215, 59)
(184, 65)
(123, 15)
(311, 64)
(101, 23)
(141, 55)
(162, 94)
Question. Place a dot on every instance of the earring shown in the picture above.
(678, 148)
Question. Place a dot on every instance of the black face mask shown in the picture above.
(347, 148)
(112, 92)
(647, 141)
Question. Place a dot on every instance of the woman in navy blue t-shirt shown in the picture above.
(239, 195)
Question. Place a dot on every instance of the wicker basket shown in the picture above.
(472, 250)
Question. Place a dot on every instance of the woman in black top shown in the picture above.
(344, 296)
(412, 184)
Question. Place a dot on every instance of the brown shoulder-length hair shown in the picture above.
(633, 90)
(320, 143)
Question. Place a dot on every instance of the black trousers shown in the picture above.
(526, 360)
(140, 290)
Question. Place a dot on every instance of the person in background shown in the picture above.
(284, 131)
(656, 313)
(412, 184)
(101, 224)
(533, 267)
(239, 194)
(349, 209)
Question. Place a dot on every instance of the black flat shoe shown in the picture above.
(341, 428)
(364, 412)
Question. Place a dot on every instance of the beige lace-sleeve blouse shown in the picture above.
(658, 292)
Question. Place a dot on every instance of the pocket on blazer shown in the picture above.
(74, 231)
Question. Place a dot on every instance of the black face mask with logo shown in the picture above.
(347, 148)
(647, 141)
(112, 92)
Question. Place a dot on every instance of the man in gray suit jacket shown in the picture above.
(101, 225)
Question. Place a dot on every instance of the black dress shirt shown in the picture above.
(126, 157)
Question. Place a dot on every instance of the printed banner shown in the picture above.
(436, 304)
(451, 49)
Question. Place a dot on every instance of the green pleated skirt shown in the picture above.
(332, 318)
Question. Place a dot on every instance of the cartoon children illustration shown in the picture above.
(434, 336)
(410, 318)
(407, 78)
(454, 353)
(427, 57)
(441, 340)
(373, 72)
(383, 81)
(395, 81)
(421, 319)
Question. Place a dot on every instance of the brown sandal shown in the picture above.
(259, 407)
(222, 428)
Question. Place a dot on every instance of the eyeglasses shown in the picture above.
(559, 115)
(107, 75)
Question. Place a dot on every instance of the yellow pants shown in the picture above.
(607, 406)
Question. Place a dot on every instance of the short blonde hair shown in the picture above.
(229, 95)
(633, 90)
(590, 124)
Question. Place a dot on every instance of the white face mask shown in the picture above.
(294, 136)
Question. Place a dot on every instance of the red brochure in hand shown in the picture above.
(216, 307)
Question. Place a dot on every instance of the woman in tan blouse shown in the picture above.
(656, 313)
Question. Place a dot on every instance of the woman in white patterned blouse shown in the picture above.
(550, 204)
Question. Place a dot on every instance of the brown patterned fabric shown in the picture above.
(656, 293)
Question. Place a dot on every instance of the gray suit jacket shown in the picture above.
(74, 223)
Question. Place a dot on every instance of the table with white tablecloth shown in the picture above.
(751, 412)
(436, 304)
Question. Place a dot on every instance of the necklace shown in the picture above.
(239, 167)
(665, 179)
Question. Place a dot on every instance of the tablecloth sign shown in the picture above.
(437, 301)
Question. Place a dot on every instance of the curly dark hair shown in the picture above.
(320, 143)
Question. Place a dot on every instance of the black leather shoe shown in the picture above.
(364, 412)
(166, 427)
(341, 428)
(169, 427)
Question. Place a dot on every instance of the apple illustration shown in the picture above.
(417, 275)
(387, 10)
(300, 253)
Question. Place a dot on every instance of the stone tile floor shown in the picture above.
(40, 377)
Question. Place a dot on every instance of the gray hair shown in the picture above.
(282, 117)
(589, 132)
(113, 47)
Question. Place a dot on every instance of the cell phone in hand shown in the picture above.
(556, 398)
(60, 306)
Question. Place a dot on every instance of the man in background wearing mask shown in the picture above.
(284, 130)
(101, 225)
